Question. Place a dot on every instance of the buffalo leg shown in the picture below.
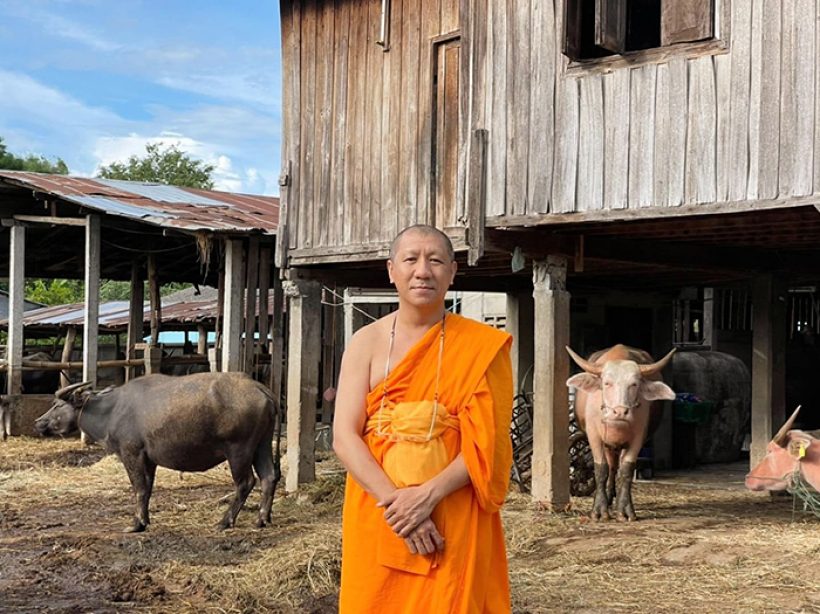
(141, 473)
(600, 507)
(269, 476)
(244, 481)
(613, 459)
(5, 422)
(623, 505)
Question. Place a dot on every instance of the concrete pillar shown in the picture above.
(91, 322)
(304, 352)
(232, 306)
(768, 362)
(17, 279)
(550, 457)
(520, 321)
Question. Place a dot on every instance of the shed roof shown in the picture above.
(162, 205)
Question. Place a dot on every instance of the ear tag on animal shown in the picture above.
(801, 451)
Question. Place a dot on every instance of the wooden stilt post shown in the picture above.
(520, 321)
(68, 348)
(232, 306)
(768, 363)
(304, 351)
(17, 279)
(92, 298)
(550, 458)
(251, 291)
(136, 316)
(156, 304)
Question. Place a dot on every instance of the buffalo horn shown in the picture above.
(780, 438)
(658, 366)
(585, 364)
(63, 392)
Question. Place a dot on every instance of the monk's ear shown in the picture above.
(656, 391)
(585, 381)
(453, 276)
(390, 270)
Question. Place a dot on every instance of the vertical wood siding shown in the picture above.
(739, 125)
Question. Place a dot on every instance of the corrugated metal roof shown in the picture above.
(183, 208)
(114, 314)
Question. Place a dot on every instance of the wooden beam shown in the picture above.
(136, 314)
(91, 322)
(648, 213)
(251, 293)
(53, 221)
(768, 362)
(68, 348)
(304, 353)
(17, 280)
(550, 457)
(232, 306)
(520, 323)
(265, 261)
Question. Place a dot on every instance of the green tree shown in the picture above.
(31, 163)
(55, 291)
(170, 166)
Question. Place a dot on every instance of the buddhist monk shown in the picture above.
(422, 426)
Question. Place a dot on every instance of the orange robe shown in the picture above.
(378, 572)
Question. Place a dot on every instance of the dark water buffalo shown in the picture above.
(188, 423)
(35, 381)
(788, 453)
(613, 405)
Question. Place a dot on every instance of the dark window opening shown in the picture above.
(600, 28)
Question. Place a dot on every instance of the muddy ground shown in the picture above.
(703, 544)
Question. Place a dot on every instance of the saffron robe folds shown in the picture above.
(378, 572)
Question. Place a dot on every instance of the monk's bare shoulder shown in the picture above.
(365, 341)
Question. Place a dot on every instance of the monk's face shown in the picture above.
(421, 270)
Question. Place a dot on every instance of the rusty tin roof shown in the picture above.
(163, 205)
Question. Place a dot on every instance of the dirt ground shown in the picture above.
(702, 544)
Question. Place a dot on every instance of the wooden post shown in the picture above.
(550, 457)
(708, 317)
(219, 325)
(265, 261)
(663, 339)
(520, 321)
(232, 307)
(202, 339)
(768, 363)
(251, 292)
(17, 279)
(153, 359)
(68, 347)
(277, 341)
(136, 315)
(304, 350)
(92, 299)
(153, 295)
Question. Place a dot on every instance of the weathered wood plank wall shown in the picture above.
(740, 124)
(358, 120)
(734, 125)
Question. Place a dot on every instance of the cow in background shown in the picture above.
(789, 453)
(615, 407)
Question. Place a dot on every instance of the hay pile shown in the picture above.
(708, 549)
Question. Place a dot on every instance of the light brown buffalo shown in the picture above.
(613, 405)
(789, 453)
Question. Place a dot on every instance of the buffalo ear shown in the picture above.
(656, 391)
(585, 381)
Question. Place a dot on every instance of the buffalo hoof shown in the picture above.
(224, 524)
(137, 527)
(600, 513)
(260, 523)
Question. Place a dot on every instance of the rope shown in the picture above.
(801, 490)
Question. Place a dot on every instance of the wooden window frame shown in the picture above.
(717, 45)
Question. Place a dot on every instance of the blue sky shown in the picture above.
(93, 81)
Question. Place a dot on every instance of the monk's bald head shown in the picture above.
(424, 230)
